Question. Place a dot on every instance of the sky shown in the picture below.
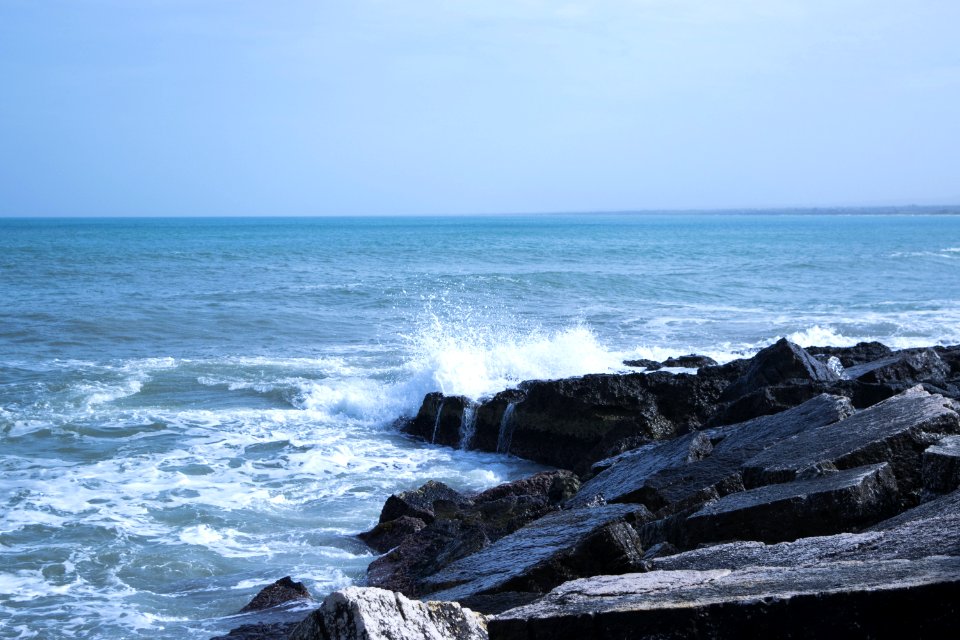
(383, 107)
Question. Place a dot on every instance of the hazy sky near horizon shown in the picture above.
(296, 107)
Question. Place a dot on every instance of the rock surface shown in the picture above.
(282, 591)
(367, 613)
(557, 547)
(941, 465)
(855, 599)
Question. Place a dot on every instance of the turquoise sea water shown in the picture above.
(193, 408)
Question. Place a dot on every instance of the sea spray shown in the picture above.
(436, 424)
(505, 437)
(468, 425)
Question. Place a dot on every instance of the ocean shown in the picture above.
(191, 409)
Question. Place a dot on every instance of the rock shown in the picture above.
(895, 431)
(440, 419)
(643, 363)
(927, 530)
(463, 526)
(906, 367)
(843, 599)
(691, 361)
(282, 591)
(387, 535)
(832, 503)
(861, 353)
(261, 631)
(694, 468)
(420, 503)
(368, 613)
(941, 465)
(557, 547)
(783, 362)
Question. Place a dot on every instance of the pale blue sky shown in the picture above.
(230, 107)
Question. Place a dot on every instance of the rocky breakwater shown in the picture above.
(800, 493)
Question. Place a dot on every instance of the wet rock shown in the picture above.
(387, 535)
(557, 547)
(861, 353)
(282, 591)
(852, 599)
(261, 631)
(941, 465)
(359, 613)
(694, 468)
(895, 431)
(643, 363)
(780, 363)
(906, 367)
(691, 361)
(464, 526)
(927, 530)
(831, 503)
(420, 503)
(440, 419)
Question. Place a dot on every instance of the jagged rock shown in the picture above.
(691, 361)
(694, 468)
(387, 535)
(927, 530)
(281, 591)
(895, 431)
(462, 527)
(420, 503)
(843, 599)
(861, 353)
(261, 631)
(835, 502)
(780, 363)
(906, 367)
(643, 363)
(941, 465)
(368, 613)
(440, 419)
(555, 548)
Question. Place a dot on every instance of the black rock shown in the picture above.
(420, 503)
(282, 591)
(906, 368)
(387, 535)
(440, 419)
(555, 548)
(780, 363)
(831, 503)
(843, 599)
(860, 353)
(896, 430)
(643, 363)
(691, 361)
(941, 465)
(261, 631)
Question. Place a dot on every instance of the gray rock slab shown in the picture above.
(686, 471)
(369, 613)
(895, 431)
(931, 529)
(831, 503)
(541, 552)
(941, 465)
(853, 599)
(909, 367)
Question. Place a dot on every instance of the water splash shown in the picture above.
(468, 425)
(505, 437)
(436, 424)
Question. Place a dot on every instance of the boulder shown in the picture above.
(842, 599)
(420, 503)
(694, 468)
(282, 591)
(643, 363)
(368, 613)
(440, 419)
(387, 535)
(261, 631)
(459, 526)
(831, 503)
(691, 361)
(555, 548)
(894, 431)
(941, 465)
(860, 353)
(927, 530)
(906, 368)
(780, 363)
